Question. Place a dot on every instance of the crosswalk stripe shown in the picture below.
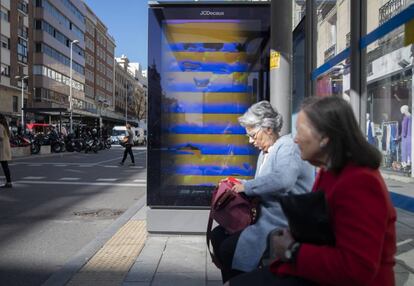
(404, 242)
(80, 183)
(106, 180)
(140, 181)
(33, 178)
(69, 179)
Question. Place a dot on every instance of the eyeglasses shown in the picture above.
(252, 135)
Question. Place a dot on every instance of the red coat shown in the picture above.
(363, 219)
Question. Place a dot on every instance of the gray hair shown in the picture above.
(262, 114)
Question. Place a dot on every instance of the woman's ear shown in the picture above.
(324, 142)
(268, 131)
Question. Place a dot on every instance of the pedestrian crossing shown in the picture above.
(72, 165)
(79, 181)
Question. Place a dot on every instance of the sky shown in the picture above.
(127, 22)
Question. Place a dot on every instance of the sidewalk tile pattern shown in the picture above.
(112, 262)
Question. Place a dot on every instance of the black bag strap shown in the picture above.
(208, 240)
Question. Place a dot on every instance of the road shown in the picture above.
(59, 203)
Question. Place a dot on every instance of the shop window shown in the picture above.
(389, 101)
(335, 82)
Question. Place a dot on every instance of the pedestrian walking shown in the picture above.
(129, 142)
(5, 150)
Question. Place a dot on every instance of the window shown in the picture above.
(22, 50)
(109, 73)
(37, 70)
(23, 6)
(46, 27)
(4, 14)
(5, 70)
(43, 48)
(15, 104)
(89, 75)
(47, 72)
(60, 17)
(5, 42)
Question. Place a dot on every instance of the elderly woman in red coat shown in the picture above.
(362, 215)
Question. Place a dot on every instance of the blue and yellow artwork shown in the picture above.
(206, 85)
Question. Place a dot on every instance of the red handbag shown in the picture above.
(233, 211)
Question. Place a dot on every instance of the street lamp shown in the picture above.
(70, 85)
(126, 105)
(22, 78)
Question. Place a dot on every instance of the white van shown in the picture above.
(119, 132)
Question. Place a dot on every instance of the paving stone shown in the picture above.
(141, 272)
(152, 251)
(136, 284)
(190, 239)
(214, 283)
(182, 258)
(179, 279)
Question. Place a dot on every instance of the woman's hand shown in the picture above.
(238, 188)
(281, 243)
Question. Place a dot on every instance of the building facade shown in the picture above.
(58, 43)
(130, 93)
(368, 60)
(14, 55)
(100, 69)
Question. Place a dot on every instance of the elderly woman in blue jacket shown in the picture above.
(280, 171)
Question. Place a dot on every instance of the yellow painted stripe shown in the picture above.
(211, 78)
(221, 139)
(211, 97)
(199, 180)
(209, 57)
(217, 160)
(207, 33)
(111, 263)
(200, 119)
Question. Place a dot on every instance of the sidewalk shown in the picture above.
(184, 260)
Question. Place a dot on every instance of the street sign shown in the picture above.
(274, 59)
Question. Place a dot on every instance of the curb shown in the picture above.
(63, 276)
(395, 177)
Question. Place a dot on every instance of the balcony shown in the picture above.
(23, 33)
(23, 7)
(390, 9)
(330, 52)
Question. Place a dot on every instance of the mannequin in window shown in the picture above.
(405, 136)
(384, 118)
(370, 132)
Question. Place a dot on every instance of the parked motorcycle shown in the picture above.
(91, 143)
